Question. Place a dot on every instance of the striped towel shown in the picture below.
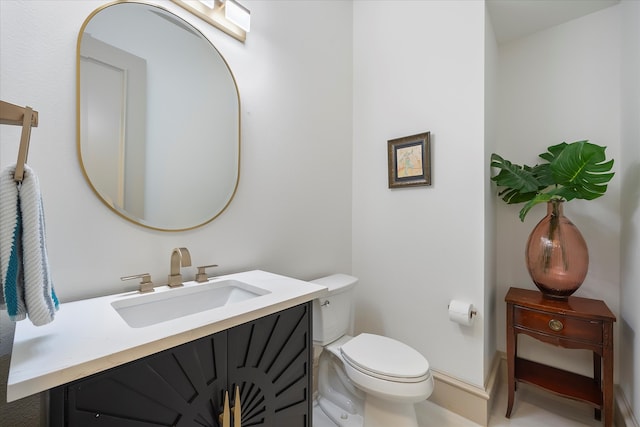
(26, 285)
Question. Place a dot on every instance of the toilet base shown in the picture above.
(378, 413)
(320, 419)
(385, 413)
(324, 408)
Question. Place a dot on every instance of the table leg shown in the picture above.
(607, 374)
(511, 359)
(597, 377)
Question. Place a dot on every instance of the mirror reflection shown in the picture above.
(158, 117)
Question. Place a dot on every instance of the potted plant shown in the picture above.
(556, 253)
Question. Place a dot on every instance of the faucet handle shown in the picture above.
(201, 277)
(146, 285)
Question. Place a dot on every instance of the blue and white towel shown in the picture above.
(26, 285)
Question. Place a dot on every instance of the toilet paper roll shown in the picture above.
(461, 312)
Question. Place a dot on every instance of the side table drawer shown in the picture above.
(559, 325)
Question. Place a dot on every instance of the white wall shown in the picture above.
(292, 211)
(629, 319)
(490, 122)
(419, 66)
(562, 84)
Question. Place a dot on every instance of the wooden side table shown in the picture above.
(578, 323)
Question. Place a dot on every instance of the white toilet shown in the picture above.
(367, 380)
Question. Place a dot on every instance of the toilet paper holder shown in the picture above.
(472, 313)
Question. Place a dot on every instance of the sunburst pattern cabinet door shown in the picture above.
(270, 361)
(179, 387)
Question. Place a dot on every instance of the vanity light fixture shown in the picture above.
(238, 14)
(226, 15)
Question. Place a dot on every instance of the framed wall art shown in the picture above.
(409, 161)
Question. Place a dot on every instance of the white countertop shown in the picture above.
(89, 336)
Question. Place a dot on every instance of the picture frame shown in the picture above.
(409, 160)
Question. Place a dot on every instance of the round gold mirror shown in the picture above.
(158, 117)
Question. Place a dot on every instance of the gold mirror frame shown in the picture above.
(182, 175)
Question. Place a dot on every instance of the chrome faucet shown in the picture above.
(180, 257)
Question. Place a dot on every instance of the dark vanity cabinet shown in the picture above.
(268, 359)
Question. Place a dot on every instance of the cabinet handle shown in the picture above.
(225, 416)
(237, 416)
(555, 325)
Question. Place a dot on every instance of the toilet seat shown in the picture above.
(385, 358)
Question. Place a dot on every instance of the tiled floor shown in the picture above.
(532, 408)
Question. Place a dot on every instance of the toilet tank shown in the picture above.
(332, 313)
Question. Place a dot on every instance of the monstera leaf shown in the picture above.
(578, 170)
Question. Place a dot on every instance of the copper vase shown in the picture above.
(557, 256)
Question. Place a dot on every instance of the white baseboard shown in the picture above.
(469, 401)
(623, 414)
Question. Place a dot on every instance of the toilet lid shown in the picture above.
(385, 358)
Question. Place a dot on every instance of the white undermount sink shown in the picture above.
(149, 309)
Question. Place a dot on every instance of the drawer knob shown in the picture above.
(555, 325)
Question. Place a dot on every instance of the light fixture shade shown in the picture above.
(238, 14)
(215, 13)
(209, 3)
